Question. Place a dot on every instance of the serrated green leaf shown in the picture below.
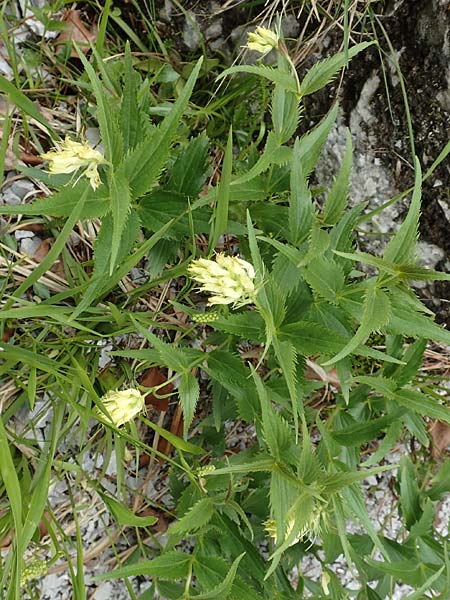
(401, 248)
(285, 106)
(62, 203)
(247, 325)
(211, 569)
(101, 278)
(310, 145)
(404, 320)
(189, 392)
(220, 217)
(301, 210)
(361, 433)
(143, 165)
(282, 496)
(273, 154)
(422, 404)
(189, 171)
(326, 70)
(286, 355)
(176, 359)
(409, 493)
(199, 515)
(375, 314)
(277, 432)
(130, 117)
(325, 277)
(120, 208)
(157, 208)
(286, 80)
(171, 565)
(106, 116)
(337, 197)
(228, 370)
(222, 591)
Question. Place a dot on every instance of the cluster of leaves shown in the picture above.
(313, 305)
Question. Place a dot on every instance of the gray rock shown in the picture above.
(22, 187)
(9, 197)
(29, 246)
(192, 35)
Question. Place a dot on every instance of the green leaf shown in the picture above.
(376, 313)
(176, 359)
(143, 165)
(401, 248)
(171, 565)
(361, 433)
(326, 70)
(222, 591)
(409, 493)
(199, 515)
(174, 440)
(287, 359)
(336, 200)
(158, 207)
(422, 404)
(286, 80)
(123, 515)
(325, 277)
(188, 173)
(189, 392)
(220, 218)
(120, 207)
(404, 320)
(285, 107)
(301, 210)
(101, 278)
(131, 124)
(62, 203)
(210, 569)
(273, 154)
(246, 325)
(310, 145)
(420, 593)
(277, 432)
(107, 119)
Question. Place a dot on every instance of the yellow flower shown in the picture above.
(71, 156)
(262, 40)
(228, 278)
(123, 405)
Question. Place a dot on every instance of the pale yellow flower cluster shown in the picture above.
(228, 278)
(262, 40)
(70, 156)
(123, 405)
(311, 529)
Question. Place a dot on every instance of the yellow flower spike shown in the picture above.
(228, 278)
(262, 40)
(71, 156)
(123, 405)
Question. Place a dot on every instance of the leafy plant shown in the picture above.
(252, 514)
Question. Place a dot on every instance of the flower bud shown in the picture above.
(123, 405)
(228, 278)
